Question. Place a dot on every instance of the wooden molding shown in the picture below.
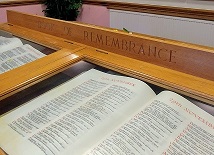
(156, 9)
(177, 66)
(144, 8)
(6, 3)
(188, 58)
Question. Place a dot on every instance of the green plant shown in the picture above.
(62, 9)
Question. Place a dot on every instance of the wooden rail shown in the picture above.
(177, 66)
(6, 3)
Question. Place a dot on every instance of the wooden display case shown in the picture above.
(164, 64)
(156, 60)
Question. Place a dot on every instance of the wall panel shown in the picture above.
(183, 29)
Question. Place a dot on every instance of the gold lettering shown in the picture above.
(67, 30)
(115, 43)
(150, 51)
(91, 36)
(161, 51)
(107, 40)
(124, 45)
(141, 50)
(45, 26)
(131, 46)
(99, 39)
(86, 35)
(171, 56)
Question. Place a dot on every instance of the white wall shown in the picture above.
(197, 4)
(183, 29)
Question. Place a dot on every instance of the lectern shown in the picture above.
(74, 47)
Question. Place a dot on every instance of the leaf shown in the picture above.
(62, 9)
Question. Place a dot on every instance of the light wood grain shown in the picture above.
(19, 80)
(7, 3)
(41, 38)
(31, 67)
(188, 58)
(192, 80)
(28, 75)
(2, 152)
(189, 71)
(179, 82)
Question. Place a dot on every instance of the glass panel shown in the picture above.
(16, 52)
(42, 87)
(50, 83)
(41, 48)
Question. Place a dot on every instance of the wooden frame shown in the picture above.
(18, 2)
(190, 79)
(159, 51)
(68, 39)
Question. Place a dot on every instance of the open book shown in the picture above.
(101, 114)
(14, 54)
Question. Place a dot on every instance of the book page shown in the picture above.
(78, 113)
(169, 124)
(9, 43)
(17, 57)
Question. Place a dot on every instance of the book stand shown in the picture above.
(181, 67)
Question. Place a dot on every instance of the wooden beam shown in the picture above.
(188, 58)
(6, 3)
